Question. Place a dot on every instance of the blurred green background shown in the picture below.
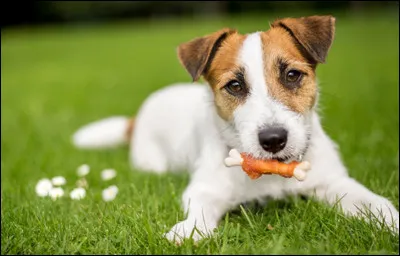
(64, 64)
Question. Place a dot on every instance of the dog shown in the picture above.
(261, 98)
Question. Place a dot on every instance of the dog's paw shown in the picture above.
(392, 220)
(385, 212)
(189, 229)
(395, 228)
(379, 210)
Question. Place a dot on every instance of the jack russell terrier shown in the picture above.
(261, 99)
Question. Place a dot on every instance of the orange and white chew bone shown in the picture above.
(256, 167)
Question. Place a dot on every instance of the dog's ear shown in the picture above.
(197, 54)
(314, 33)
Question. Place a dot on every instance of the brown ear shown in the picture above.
(197, 54)
(314, 33)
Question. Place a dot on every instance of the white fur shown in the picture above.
(166, 134)
(106, 133)
(178, 128)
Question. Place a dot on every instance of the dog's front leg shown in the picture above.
(355, 199)
(205, 200)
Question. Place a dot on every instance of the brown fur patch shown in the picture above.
(129, 129)
(197, 54)
(278, 45)
(314, 34)
(301, 43)
(224, 68)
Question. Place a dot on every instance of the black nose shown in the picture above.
(273, 139)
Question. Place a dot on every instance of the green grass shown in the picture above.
(55, 79)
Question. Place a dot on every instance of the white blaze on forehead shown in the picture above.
(257, 107)
(251, 57)
(255, 111)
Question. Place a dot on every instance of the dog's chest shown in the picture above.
(274, 186)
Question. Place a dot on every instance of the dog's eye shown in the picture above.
(291, 79)
(234, 87)
(293, 76)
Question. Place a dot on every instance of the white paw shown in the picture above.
(385, 212)
(381, 210)
(395, 229)
(391, 217)
(189, 229)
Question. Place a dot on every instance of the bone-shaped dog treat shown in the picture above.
(256, 167)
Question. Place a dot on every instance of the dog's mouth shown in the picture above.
(288, 158)
(281, 159)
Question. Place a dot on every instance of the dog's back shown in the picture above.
(164, 130)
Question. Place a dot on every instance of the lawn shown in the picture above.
(56, 78)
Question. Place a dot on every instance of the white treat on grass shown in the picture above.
(109, 193)
(43, 187)
(83, 170)
(82, 183)
(58, 181)
(108, 174)
(77, 193)
(55, 193)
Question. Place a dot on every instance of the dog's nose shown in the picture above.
(273, 139)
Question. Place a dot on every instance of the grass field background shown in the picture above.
(55, 79)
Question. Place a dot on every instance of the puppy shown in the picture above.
(261, 98)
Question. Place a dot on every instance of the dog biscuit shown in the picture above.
(256, 167)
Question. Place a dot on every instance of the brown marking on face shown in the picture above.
(223, 69)
(296, 44)
(197, 54)
(215, 58)
(278, 47)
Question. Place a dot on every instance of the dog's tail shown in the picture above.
(106, 133)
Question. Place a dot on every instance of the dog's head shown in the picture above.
(264, 83)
